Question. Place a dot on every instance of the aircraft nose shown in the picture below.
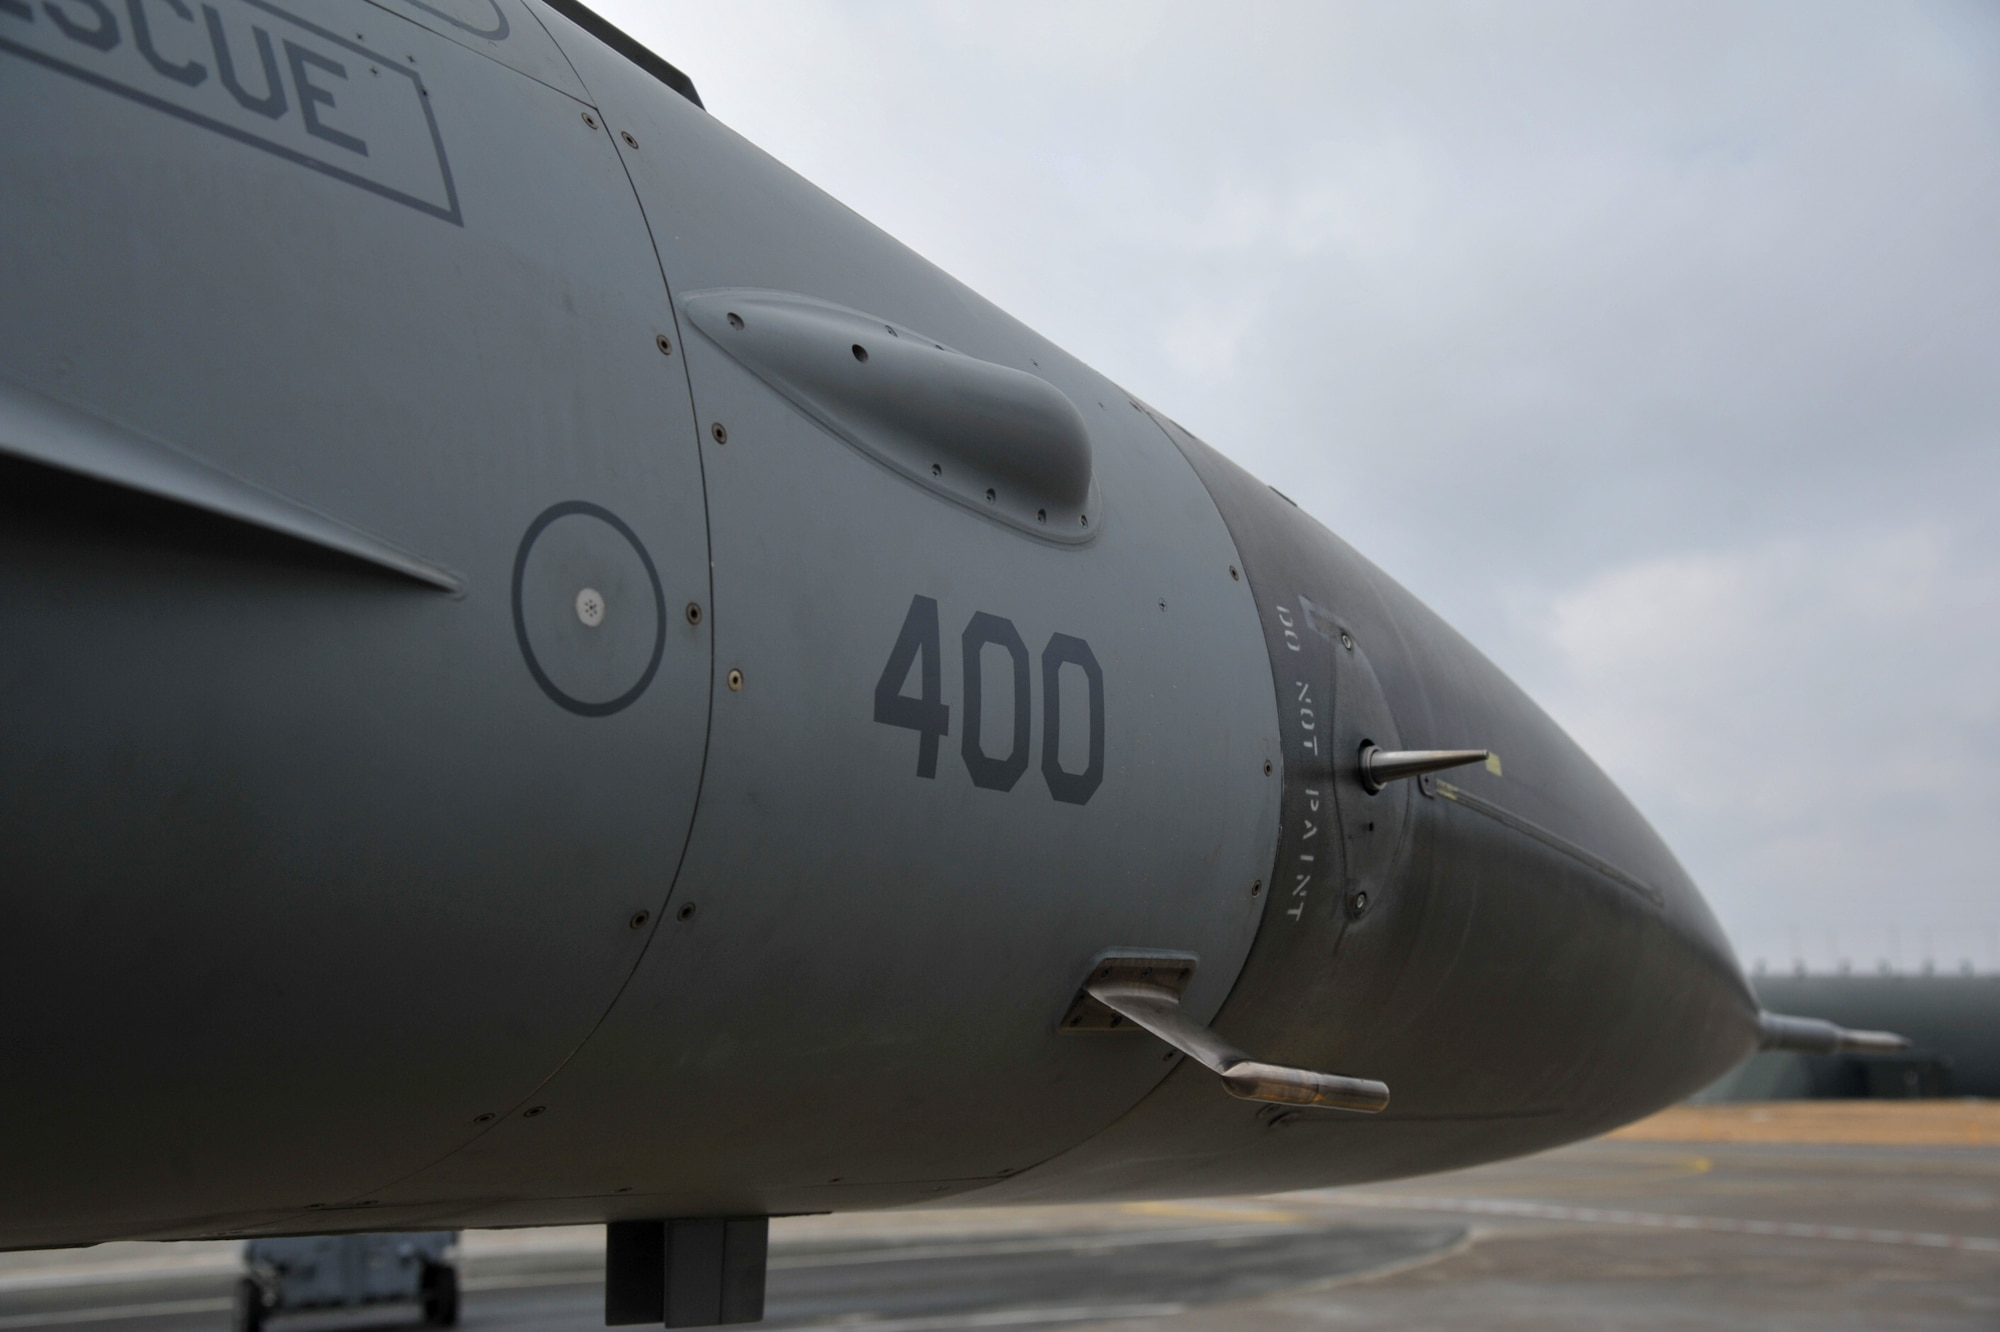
(1569, 985)
(1508, 988)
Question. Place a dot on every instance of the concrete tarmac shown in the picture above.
(1615, 1234)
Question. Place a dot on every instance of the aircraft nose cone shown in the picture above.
(1553, 988)
(1679, 1019)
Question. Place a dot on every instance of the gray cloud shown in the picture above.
(1658, 349)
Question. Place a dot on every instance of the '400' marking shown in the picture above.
(929, 716)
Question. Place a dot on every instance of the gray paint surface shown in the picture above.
(619, 885)
(329, 866)
(914, 939)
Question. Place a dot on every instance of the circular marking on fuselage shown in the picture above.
(575, 562)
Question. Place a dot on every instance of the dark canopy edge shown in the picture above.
(626, 45)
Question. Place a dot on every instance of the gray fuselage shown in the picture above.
(554, 673)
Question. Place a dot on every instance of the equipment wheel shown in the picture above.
(440, 1288)
(247, 1312)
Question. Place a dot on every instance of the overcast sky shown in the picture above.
(1658, 349)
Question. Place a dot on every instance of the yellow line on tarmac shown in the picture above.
(1844, 1123)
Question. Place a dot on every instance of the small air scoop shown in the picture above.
(1002, 442)
(1817, 1036)
(1144, 991)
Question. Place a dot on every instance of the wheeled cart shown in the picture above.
(347, 1272)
